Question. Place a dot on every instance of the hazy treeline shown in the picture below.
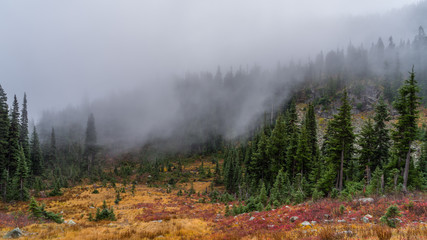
(196, 108)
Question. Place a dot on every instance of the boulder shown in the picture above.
(306, 223)
(71, 222)
(294, 218)
(366, 200)
(15, 233)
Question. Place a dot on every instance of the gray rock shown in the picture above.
(349, 232)
(341, 221)
(252, 218)
(366, 200)
(313, 222)
(15, 233)
(306, 223)
(327, 216)
(71, 222)
(294, 218)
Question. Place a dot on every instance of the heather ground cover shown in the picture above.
(155, 213)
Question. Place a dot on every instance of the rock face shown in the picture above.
(15, 233)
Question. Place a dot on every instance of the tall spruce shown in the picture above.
(406, 104)
(13, 140)
(303, 156)
(368, 147)
(340, 139)
(292, 132)
(4, 140)
(276, 148)
(382, 145)
(52, 161)
(259, 166)
(23, 131)
(36, 157)
(20, 178)
(91, 147)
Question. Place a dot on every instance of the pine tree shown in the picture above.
(20, 177)
(51, 157)
(4, 138)
(36, 157)
(13, 147)
(339, 139)
(276, 148)
(303, 156)
(259, 166)
(280, 191)
(382, 144)
(23, 133)
(91, 147)
(292, 138)
(311, 128)
(406, 128)
(367, 143)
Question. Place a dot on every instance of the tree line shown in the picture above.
(286, 160)
(26, 162)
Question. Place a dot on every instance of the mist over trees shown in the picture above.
(197, 110)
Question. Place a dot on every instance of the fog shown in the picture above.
(126, 61)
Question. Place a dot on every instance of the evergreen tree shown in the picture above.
(36, 158)
(291, 130)
(23, 133)
(276, 148)
(382, 135)
(406, 104)
(91, 148)
(311, 128)
(303, 155)
(368, 147)
(4, 138)
(259, 166)
(280, 191)
(21, 176)
(13, 146)
(52, 161)
(339, 139)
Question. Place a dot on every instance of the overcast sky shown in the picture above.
(61, 52)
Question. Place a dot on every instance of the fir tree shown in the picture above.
(406, 104)
(52, 150)
(276, 148)
(367, 143)
(259, 166)
(339, 141)
(21, 176)
(303, 154)
(91, 147)
(4, 138)
(13, 147)
(311, 131)
(23, 133)
(382, 144)
(35, 154)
